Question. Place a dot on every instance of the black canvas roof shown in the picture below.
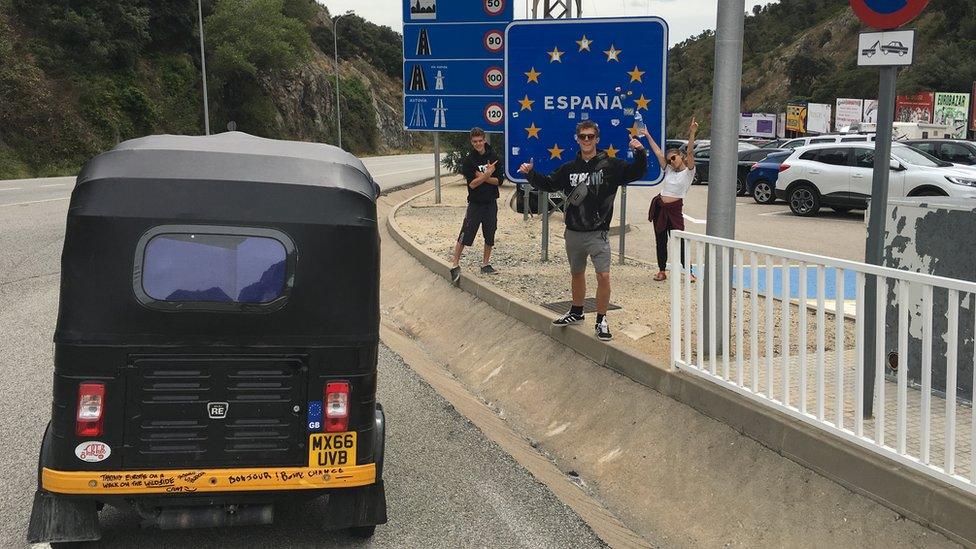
(231, 156)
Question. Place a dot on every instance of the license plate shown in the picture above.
(332, 449)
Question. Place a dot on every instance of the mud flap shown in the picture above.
(58, 519)
(354, 507)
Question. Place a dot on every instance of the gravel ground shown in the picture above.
(646, 304)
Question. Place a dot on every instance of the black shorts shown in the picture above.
(484, 215)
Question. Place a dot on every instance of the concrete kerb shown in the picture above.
(921, 498)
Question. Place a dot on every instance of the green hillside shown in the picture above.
(805, 49)
(78, 76)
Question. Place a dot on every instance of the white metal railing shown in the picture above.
(775, 345)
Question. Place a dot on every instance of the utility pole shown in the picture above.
(726, 102)
(335, 50)
(203, 66)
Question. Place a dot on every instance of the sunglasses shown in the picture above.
(585, 136)
(673, 158)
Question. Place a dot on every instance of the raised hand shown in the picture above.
(527, 167)
(490, 168)
(694, 125)
(636, 144)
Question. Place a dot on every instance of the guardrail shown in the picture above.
(775, 345)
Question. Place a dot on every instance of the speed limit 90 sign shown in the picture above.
(494, 41)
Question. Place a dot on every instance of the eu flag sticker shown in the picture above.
(315, 415)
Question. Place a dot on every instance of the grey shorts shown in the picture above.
(583, 244)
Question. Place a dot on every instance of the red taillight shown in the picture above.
(754, 166)
(784, 167)
(336, 406)
(91, 410)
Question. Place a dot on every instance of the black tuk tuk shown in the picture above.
(216, 342)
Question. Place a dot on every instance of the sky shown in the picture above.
(685, 18)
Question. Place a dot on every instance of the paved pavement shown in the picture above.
(447, 485)
(389, 171)
(830, 234)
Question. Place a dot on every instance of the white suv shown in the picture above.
(824, 139)
(839, 176)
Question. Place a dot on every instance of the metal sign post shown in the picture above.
(623, 223)
(437, 168)
(887, 50)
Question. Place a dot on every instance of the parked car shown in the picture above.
(824, 139)
(956, 151)
(840, 177)
(703, 155)
(774, 144)
(747, 159)
(761, 180)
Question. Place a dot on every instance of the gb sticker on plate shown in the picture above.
(93, 451)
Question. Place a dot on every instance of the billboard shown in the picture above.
(870, 111)
(972, 112)
(796, 116)
(952, 109)
(757, 124)
(818, 118)
(781, 124)
(848, 111)
(915, 108)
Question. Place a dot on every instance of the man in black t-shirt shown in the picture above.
(482, 169)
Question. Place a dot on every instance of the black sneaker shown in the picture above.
(603, 331)
(488, 270)
(568, 319)
(455, 275)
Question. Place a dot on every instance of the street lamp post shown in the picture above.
(335, 50)
(203, 66)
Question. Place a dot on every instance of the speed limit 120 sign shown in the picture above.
(494, 113)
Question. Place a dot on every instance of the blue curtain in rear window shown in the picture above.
(214, 267)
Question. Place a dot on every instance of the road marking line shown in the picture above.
(692, 219)
(404, 171)
(34, 202)
(53, 185)
(774, 213)
(11, 189)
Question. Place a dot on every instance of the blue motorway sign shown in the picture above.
(453, 64)
(456, 11)
(454, 77)
(561, 72)
(470, 41)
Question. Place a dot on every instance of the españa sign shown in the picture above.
(561, 72)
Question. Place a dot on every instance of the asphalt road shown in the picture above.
(447, 485)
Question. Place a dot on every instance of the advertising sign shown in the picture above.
(453, 64)
(781, 124)
(818, 118)
(848, 111)
(915, 108)
(757, 124)
(796, 116)
(952, 109)
(870, 111)
(972, 112)
(561, 72)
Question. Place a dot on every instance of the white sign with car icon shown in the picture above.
(886, 48)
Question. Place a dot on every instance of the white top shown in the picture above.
(676, 184)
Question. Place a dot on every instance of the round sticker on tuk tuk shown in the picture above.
(93, 451)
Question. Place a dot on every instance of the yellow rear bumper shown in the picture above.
(206, 480)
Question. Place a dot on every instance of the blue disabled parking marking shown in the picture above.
(830, 282)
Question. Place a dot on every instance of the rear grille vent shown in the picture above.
(169, 421)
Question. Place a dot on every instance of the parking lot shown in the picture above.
(830, 233)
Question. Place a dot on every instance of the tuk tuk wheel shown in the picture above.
(361, 532)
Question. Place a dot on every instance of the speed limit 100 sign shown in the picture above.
(887, 14)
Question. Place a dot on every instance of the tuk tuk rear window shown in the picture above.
(214, 268)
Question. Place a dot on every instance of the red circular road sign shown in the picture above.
(494, 78)
(494, 7)
(494, 41)
(887, 14)
(494, 113)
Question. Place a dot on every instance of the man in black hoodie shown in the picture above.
(482, 169)
(590, 182)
